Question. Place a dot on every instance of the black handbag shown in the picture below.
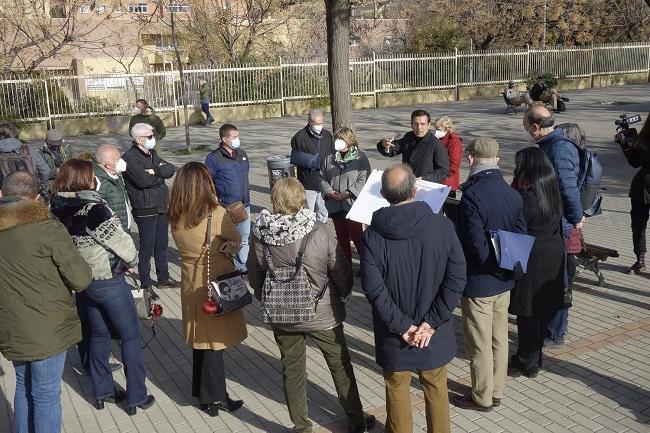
(229, 292)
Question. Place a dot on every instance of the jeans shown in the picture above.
(205, 107)
(639, 214)
(110, 304)
(244, 229)
(557, 325)
(37, 403)
(153, 242)
(316, 203)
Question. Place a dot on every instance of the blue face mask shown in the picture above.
(235, 144)
(150, 143)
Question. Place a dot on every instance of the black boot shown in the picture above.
(638, 266)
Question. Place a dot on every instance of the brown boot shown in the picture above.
(638, 266)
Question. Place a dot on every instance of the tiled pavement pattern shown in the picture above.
(600, 381)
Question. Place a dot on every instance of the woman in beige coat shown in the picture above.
(193, 198)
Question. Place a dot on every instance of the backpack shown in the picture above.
(287, 297)
(561, 106)
(589, 180)
(13, 161)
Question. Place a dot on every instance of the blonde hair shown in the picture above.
(346, 135)
(445, 124)
(288, 196)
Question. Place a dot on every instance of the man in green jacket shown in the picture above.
(109, 167)
(38, 320)
(143, 113)
(205, 93)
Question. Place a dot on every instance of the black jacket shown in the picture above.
(412, 270)
(427, 156)
(639, 158)
(308, 153)
(488, 203)
(541, 291)
(148, 193)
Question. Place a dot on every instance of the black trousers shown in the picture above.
(532, 331)
(639, 213)
(208, 376)
(153, 242)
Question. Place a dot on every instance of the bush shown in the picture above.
(96, 104)
(550, 80)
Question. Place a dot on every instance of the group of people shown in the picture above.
(416, 267)
(539, 91)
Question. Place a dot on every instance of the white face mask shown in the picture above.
(150, 143)
(439, 133)
(340, 145)
(529, 138)
(317, 128)
(235, 144)
(136, 111)
(98, 183)
(120, 167)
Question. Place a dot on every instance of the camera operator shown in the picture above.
(637, 153)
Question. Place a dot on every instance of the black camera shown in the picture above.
(626, 135)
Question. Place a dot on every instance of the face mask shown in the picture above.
(439, 133)
(529, 138)
(150, 143)
(120, 167)
(136, 111)
(340, 145)
(317, 128)
(98, 183)
(235, 144)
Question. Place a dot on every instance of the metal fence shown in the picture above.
(47, 96)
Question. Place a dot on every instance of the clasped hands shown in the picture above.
(419, 336)
(335, 195)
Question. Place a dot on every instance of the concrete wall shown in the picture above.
(100, 125)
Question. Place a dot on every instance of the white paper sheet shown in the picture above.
(370, 199)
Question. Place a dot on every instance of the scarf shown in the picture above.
(277, 229)
(350, 155)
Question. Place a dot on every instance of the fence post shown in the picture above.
(47, 103)
(374, 77)
(456, 73)
(648, 65)
(171, 68)
(282, 109)
(591, 67)
(527, 61)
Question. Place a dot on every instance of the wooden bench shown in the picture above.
(591, 257)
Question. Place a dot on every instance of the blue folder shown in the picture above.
(510, 248)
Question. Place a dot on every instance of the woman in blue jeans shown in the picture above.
(109, 251)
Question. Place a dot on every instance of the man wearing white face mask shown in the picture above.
(310, 147)
(143, 113)
(229, 167)
(109, 167)
(144, 178)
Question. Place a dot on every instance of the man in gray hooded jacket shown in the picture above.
(16, 155)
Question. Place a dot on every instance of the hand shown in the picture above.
(423, 335)
(333, 195)
(150, 171)
(409, 336)
(131, 270)
(580, 224)
(388, 142)
(343, 195)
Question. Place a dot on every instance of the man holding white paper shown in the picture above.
(488, 204)
(420, 149)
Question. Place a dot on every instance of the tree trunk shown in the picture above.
(338, 61)
(188, 145)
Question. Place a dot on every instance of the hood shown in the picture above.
(277, 229)
(76, 199)
(15, 212)
(10, 144)
(402, 222)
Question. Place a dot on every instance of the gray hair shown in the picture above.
(140, 129)
(105, 153)
(314, 113)
(575, 133)
(397, 184)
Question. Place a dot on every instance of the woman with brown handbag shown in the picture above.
(193, 203)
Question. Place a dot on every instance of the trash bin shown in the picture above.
(279, 166)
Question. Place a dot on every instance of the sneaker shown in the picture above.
(369, 423)
(549, 342)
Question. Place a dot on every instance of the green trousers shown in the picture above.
(331, 343)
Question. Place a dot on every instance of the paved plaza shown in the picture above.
(599, 381)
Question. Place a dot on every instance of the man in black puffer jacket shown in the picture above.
(145, 183)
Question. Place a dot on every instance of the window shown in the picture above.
(84, 9)
(179, 7)
(57, 11)
(138, 7)
(101, 9)
(355, 41)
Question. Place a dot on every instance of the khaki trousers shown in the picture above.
(485, 322)
(399, 417)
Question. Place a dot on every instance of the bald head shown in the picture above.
(398, 184)
(107, 154)
(538, 122)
